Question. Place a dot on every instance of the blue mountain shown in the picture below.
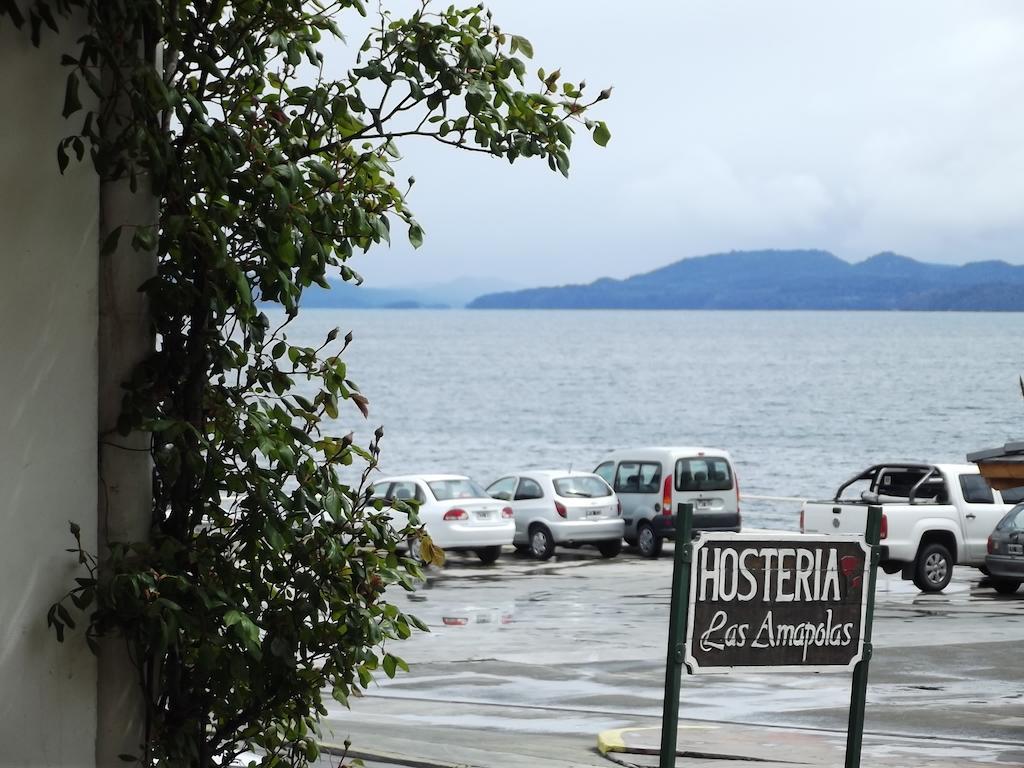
(777, 279)
(454, 293)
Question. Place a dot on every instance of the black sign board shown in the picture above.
(780, 603)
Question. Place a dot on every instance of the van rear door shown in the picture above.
(708, 483)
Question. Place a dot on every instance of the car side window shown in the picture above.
(650, 478)
(606, 472)
(638, 477)
(379, 491)
(1012, 495)
(406, 491)
(502, 489)
(528, 489)
(976, 490)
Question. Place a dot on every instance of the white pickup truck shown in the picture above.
(933, 516)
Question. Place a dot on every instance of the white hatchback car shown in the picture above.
(457, 514)
(553, 507)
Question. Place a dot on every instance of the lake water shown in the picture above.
(802, 400)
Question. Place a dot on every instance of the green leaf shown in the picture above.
(365, 676)
(415, 235)
(244, 289)
(110, 243)
(522, 44)
(601, 134)
(332, 503)
(71, 101)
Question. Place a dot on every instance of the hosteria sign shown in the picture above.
(785, 602)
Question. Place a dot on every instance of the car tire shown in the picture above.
(648, 541)
(542, 546)
(1005, 586)
(933, 568)
(610, 548)
(488, 555)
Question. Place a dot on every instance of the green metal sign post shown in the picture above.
(679, 611)
(859, 689)
(829, 579)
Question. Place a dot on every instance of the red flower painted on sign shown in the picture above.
(852, 566)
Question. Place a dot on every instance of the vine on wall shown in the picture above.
(263, 581)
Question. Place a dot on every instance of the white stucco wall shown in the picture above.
(48, 321)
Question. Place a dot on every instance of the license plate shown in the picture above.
(703, 503)
(483, 515)
(595, 512)
(1015, 549)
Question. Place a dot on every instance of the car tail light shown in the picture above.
(736, 482)
(991, 546)
(454, 621)
(507, 513)
(801, 519)
(885, 528)
(560, 509)
(456, 514)
(666, 496)
(618, 503)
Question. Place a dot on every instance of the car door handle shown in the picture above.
(970, 515)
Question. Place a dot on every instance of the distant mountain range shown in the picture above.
(776, 279)
(455, 293)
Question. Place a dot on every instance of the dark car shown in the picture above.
(1005, 559)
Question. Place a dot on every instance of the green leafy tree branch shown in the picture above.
(263, 581)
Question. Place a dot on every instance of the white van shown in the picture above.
(652, 482)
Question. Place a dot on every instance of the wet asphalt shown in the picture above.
(527, 661)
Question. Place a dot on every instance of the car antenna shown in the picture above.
(570, 467)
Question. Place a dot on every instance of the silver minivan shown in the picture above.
(652, 482)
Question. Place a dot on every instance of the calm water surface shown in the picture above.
(801, 399)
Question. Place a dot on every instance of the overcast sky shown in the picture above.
(855, 127)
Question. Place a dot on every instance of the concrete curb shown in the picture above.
(386, 757)
(614, 740)
(643, 743)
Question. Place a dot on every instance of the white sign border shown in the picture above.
(693, 667)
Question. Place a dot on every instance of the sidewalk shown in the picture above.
(706, 744)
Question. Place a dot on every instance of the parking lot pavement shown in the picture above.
(543, 656)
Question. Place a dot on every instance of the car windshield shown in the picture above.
(462, 488)
(582, 487)
(1012, 520)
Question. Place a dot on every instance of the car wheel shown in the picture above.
(488, 555)
(648, 541)
(609, 548)
(542, 546)
(933, 569)
(1005, 586)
